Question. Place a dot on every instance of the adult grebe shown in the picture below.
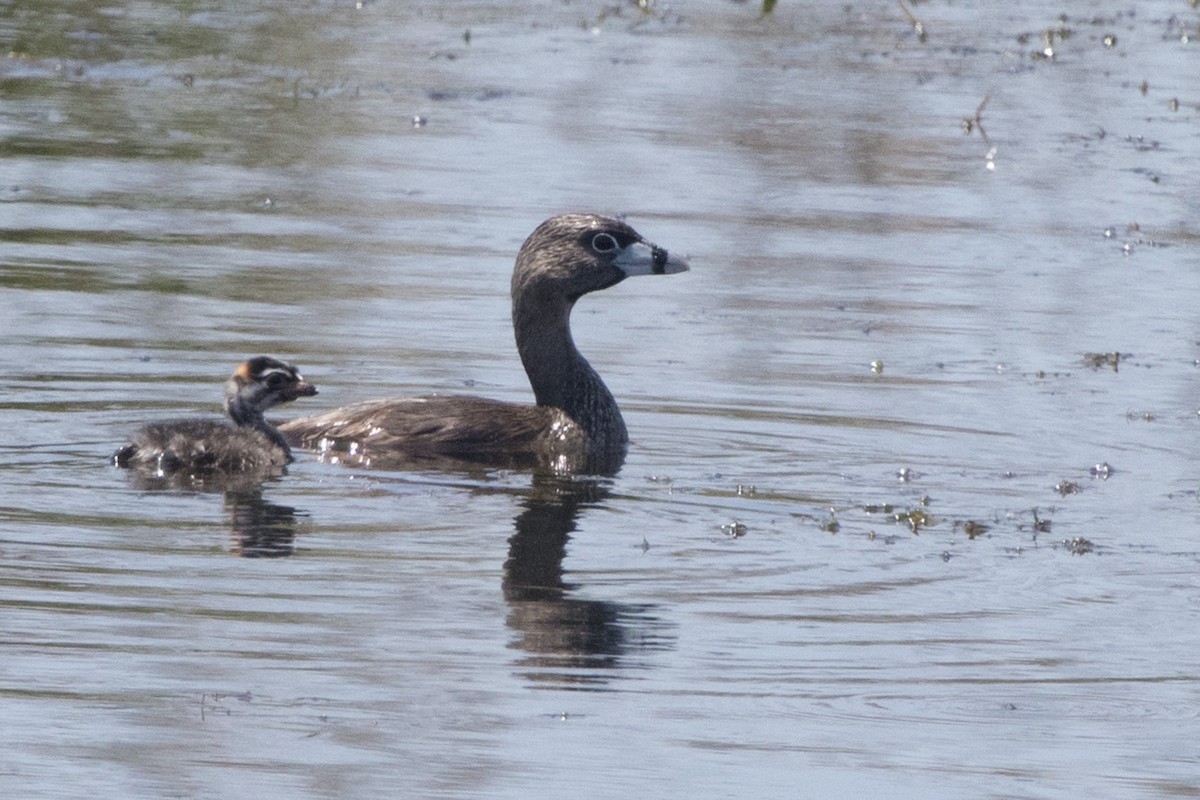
(575, 425)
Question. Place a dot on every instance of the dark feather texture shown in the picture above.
(206, 447)
(575, 425)
(200, 445)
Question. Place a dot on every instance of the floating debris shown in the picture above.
(877, 366)
(1110, 40)
(917, 25)
(915, 519)
(419, 122)
(1047, 51)
(1134, 228)
(1142, 146)
(1065, 488)
(217, 698)
(1049, 37)
(974, 529)
(831, 525)
(1079, 546)
(1102, 360)
(734, 530)
(1102, 471)
(975, 121)
(562, 716)
(905, 474)
(746, 491)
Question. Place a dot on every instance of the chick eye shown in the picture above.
(276, 379)
(604, 243)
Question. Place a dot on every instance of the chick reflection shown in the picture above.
(260, 528)
(567, 640)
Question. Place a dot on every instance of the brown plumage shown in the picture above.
(575, 425)
(206, 447)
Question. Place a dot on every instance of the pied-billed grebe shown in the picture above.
(575, 425)
(203, 446)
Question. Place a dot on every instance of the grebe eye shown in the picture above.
(604, 243)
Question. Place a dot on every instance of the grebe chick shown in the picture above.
(575, 426)
(202, 446)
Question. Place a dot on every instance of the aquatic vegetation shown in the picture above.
(973, 529)
(916, 519)
(917, 26)
(1065, 487)
(1079, 546)
(1101, 360)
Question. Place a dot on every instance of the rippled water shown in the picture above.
(911, 505)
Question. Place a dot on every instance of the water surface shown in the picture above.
(911, 505)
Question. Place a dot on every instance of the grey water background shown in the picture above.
(911, 505)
